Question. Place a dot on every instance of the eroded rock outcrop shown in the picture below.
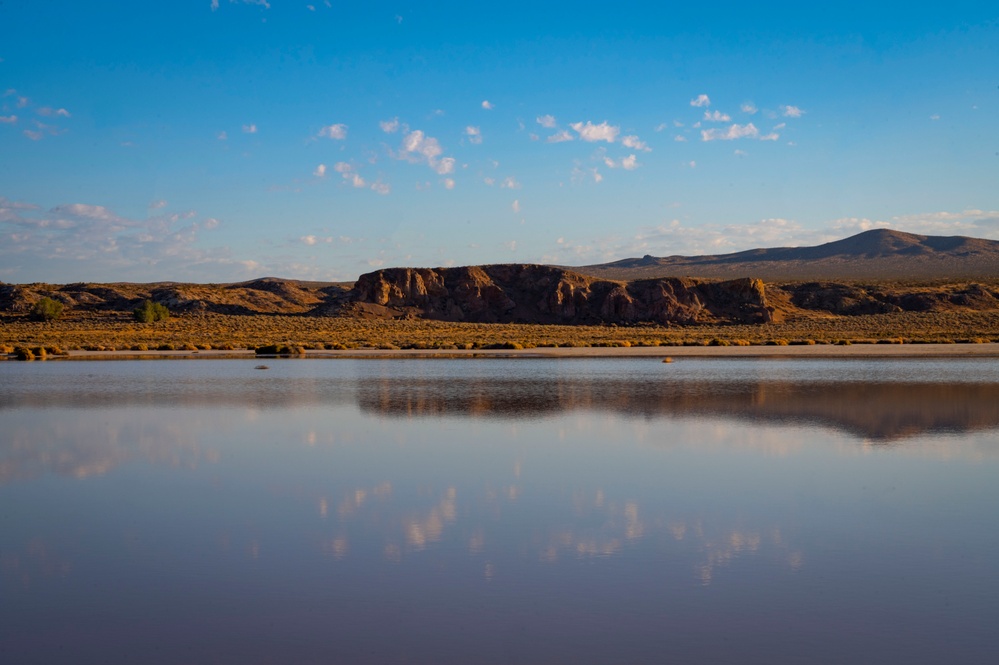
(545, 294)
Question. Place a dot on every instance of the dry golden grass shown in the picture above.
(216, 331)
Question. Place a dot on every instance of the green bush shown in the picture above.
(46, 309)
(149, 312)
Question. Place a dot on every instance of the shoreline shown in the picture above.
(985, 350)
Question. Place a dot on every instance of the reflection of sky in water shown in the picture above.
(303, 515)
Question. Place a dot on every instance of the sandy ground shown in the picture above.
(816, 351)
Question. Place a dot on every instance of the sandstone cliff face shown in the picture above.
(544, 294)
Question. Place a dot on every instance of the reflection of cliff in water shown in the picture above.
(878, 411)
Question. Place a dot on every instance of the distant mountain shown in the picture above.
(880, 254)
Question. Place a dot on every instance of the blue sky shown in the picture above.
(224, 141)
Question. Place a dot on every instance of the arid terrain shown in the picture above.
(928, 290)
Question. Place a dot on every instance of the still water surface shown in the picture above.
(499, 511)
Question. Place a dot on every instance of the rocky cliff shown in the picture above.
(545, 294)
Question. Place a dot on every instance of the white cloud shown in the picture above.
(50, 112)
(260, 3)
(701, 100)
(560, 137)
(932, 117)
(343, 167)
(716, 116)
(487, 105)
(629, 163)
(33, 135)
(250, 129)
(418, 147)
(445, 166)
(448, 183)
(381, 188)
(474, 134)
(320, 171)
(580, 175)
(592, 133)
(355, 180)
(77, 240)
(8, 119)
(157, 205)
(635, 144)
(748, 107)
(679, 138)
(389, 126)
(309, 240)
(337, 132)
(736, 131)
(546, 121)
(791, 111)
(741, 153)
(515, 206)
(510, 183)
(222, 136)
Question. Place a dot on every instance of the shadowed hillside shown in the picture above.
(880, 254)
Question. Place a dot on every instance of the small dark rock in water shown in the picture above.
(261, 367)
(667, 359)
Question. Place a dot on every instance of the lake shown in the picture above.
(499, 511)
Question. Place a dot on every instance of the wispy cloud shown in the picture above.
(510, 183)
(337, 132)
(474, 134)
(8, 119)
(701, 100)
(50, 112)
(487, 105)
(260, 3)
(629, 163)
(546, 121)
(560, 137)
(634, 143)
(791, 111)
(250, 129)
(593, 133)
(84, 240)
(736, 131)
(515, 206)
(748, 107)
(389, 126)
(716, 116)
(320, 171)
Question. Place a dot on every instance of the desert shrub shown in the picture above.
(150, 312)
(279, 350)
(46, 309)
(24, 353)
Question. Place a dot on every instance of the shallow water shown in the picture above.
(499, 511)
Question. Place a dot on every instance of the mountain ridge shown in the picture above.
(882, 254)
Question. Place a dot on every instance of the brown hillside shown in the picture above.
(880, 254)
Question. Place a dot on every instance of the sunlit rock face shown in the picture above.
(545, 294)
